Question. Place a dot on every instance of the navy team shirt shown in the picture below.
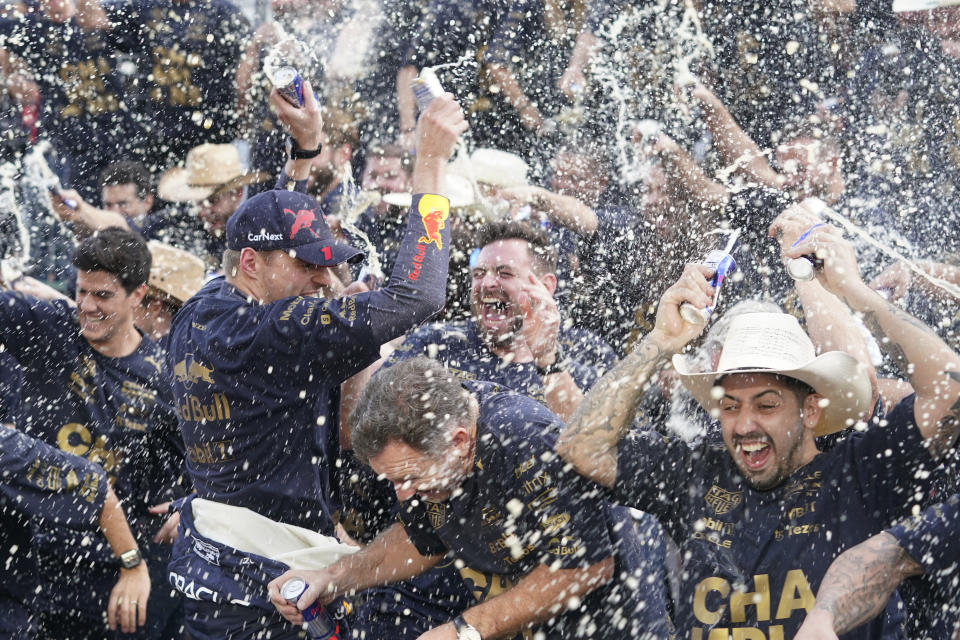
(247, 378)
(83, 107)
(186, 55)
(933, 540)
(46, 488)
(519, 509)
(754, 559)
(117, 412)
(459, 346)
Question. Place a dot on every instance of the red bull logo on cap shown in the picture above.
(303, 219)
(434, 210)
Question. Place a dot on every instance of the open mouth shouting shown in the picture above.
(754, 451)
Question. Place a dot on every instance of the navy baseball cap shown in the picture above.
(288, 221)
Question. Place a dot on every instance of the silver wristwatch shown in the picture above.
(465, 630)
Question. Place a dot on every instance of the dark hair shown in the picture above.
(118, 251)
(127, 172)
(392, 151)
(542, 252)
(799, 388)
(416, 402)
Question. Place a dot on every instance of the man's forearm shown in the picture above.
(561, 394)
(569, 212)
(859, 583)
(406, 104)
(114, 525)
(832, 327)
(589, 441)
(538, 596)
(391, 557)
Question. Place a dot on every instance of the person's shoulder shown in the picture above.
(579, 341)
(509, 415)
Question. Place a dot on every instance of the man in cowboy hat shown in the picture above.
(759, 518)
(209, 187)
(211, 182)
(175, 276)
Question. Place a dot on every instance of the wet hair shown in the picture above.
(392, 151)
(117, 251)
(416, 402)
(542, 252)
(127, 172)
(799, 388)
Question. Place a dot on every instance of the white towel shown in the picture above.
(248, 531)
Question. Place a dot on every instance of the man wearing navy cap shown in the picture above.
(256, 351)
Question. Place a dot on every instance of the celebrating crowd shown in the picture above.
(645, 327)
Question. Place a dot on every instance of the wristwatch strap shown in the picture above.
(296, 153)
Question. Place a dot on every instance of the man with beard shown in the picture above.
(515, 335)
(514, 339)
(760, 517)
(489, 490)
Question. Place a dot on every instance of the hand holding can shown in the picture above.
(317, 620)
(722, 264)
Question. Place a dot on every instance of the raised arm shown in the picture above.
(830, 323)
(733, 144)
(857, 587)
(391, 557)
(931, 366)
(589, 441)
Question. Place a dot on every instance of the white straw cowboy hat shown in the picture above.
(175, 273)
(458, 190)
(900, 6)
(493, 167)
(775, 343)
(210, 169)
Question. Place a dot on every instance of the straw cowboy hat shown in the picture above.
(174, 273)
(458, 189)
(493, 167)
(900, 6)
(210, 169)
(775, 343)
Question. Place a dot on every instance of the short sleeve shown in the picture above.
(933, 537)
(890, 463)
(653, 472)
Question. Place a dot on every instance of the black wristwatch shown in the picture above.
(557, 366)
(296, 153)
(130, 559)
(465, 630)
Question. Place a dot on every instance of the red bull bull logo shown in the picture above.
(434, 210)
(302, 219)
(188, 371)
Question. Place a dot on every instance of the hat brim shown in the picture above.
(837, 376)
(326, 254)
(174, 185)
(904, 6)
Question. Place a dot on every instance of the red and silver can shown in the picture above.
(287, 81)
(319, 624)
(426, 87)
